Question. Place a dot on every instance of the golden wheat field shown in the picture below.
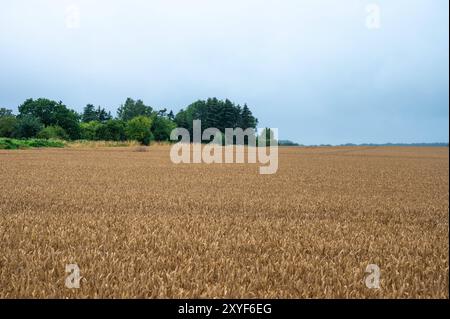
(139, 226)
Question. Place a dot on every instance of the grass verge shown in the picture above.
(14, 144)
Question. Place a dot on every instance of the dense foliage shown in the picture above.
(13, 144)
(47, 119)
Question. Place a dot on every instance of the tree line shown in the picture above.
(48, 119)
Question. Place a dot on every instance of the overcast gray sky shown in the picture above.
(321, 71)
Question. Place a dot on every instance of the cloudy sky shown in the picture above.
(321, 71)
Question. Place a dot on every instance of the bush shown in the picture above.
(112, 130)
(8, 144)
(14, 144)
(162, 127)
(139, 129)
(53, 132)
(27, 126)
(7, 126)
(44, 143)
(89, 130)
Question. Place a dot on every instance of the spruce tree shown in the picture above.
(247, 118)
(89, 114)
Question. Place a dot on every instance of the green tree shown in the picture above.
(7, 126)
(27, 126)
(103, 115)
(69, 121)
(111, 130)
(247, 119)
(132, 109)
(5, 112)
(181, 119)
(228, 117)
(89, 114)
(213, 113)
(8, 122)
(139, 129)
(44, 109)
(53, 131)
(267, 138)
(162, 127)
(52, 113)
(195, 111)
(89, 130)
(216, 113)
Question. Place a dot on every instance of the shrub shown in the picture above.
(13, 144)
(53, 132)
(162, 127)
(8, 144)
(7, 126)
(139, 129)
(89, 130)
(44, 143)
(112, 130)
(27, 126)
